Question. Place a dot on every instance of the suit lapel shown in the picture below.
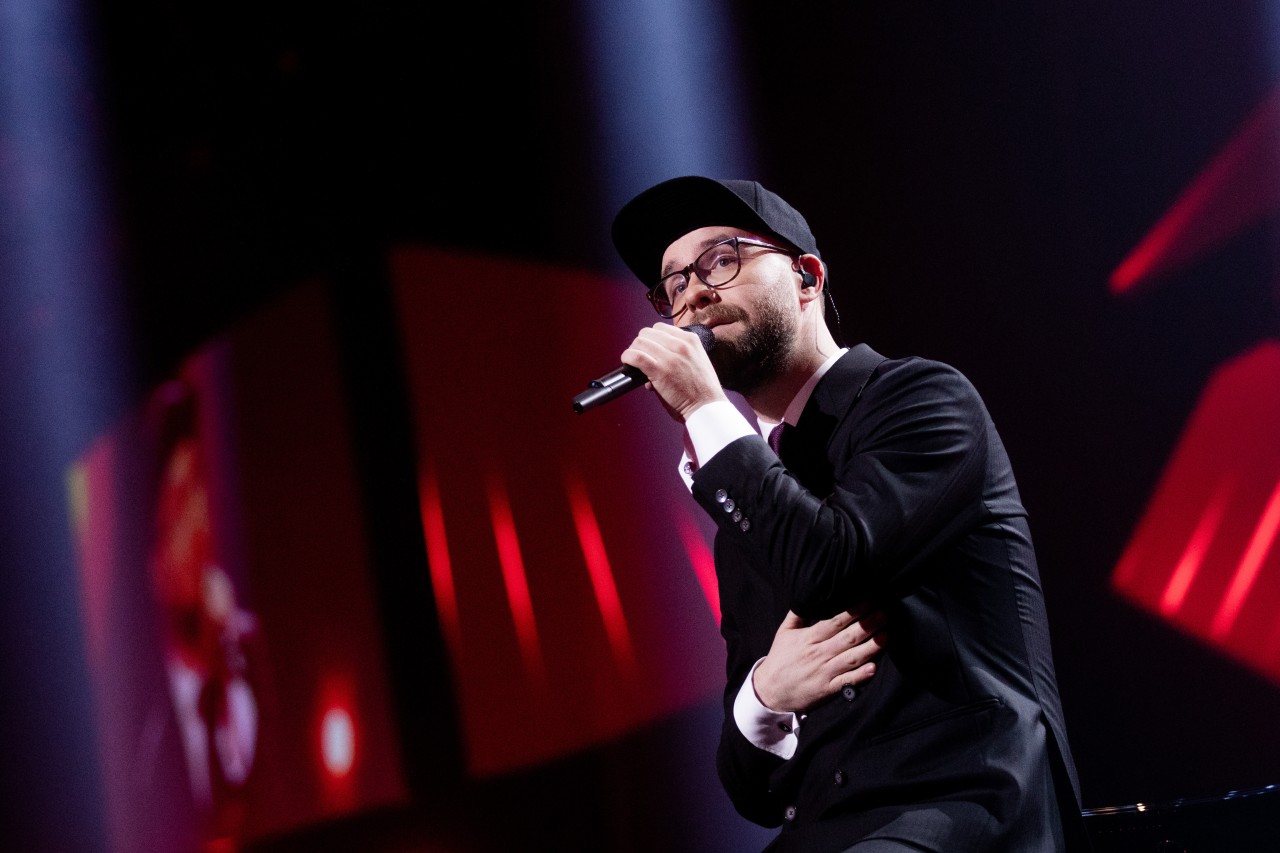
(804, 449)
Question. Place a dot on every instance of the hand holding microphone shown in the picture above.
(627, 377)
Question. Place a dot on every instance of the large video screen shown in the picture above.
(571, 568)
(235, 648)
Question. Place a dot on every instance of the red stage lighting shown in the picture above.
(1204, 555)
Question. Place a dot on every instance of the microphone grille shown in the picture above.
(704, 335)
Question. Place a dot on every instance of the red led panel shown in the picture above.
(570, 565)
(1205, 555)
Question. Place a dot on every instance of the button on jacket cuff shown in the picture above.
(772, 731)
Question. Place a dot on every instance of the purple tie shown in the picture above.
(775, 438)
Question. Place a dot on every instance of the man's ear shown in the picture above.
(812, 276)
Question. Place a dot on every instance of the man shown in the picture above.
(891, 487)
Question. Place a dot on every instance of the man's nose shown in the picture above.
(703, 294)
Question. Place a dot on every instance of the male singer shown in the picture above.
(890, 487)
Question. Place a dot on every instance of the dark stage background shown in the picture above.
(439, 183)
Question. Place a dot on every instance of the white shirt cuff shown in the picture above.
(713, 427)
(772, 731)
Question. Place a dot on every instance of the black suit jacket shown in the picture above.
(894, 488)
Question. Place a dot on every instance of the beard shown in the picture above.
(758, 354)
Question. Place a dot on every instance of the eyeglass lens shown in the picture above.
(716, 266)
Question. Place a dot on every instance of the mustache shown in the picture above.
(721, 313)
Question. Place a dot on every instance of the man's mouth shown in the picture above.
(714, 320)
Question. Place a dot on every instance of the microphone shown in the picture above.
(627, 378)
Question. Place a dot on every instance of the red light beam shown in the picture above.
(517, 581)
(704, 565)
(601, 573)
(440, 566)
(1238, 187)
(1259, 544)
(1193, 557)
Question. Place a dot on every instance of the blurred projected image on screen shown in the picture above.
(227, 599)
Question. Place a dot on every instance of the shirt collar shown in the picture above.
(801, 399)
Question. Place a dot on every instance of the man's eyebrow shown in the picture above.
(672, 266)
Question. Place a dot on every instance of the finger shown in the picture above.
(651, 344)
(671, 338)
(872, 646)
(828, 628)
(655, 348)
(637, 358)
(680, 341)
(862, 630)
(646, 355)
(859, 654)
(850, 637)
(859, 675)
(844, 634)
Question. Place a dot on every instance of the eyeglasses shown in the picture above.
(715, 267)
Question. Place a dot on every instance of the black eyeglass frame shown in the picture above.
(738, 243)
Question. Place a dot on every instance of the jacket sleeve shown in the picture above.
(908, 462)
(744, 771)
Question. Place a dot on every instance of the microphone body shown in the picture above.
(627, 378)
